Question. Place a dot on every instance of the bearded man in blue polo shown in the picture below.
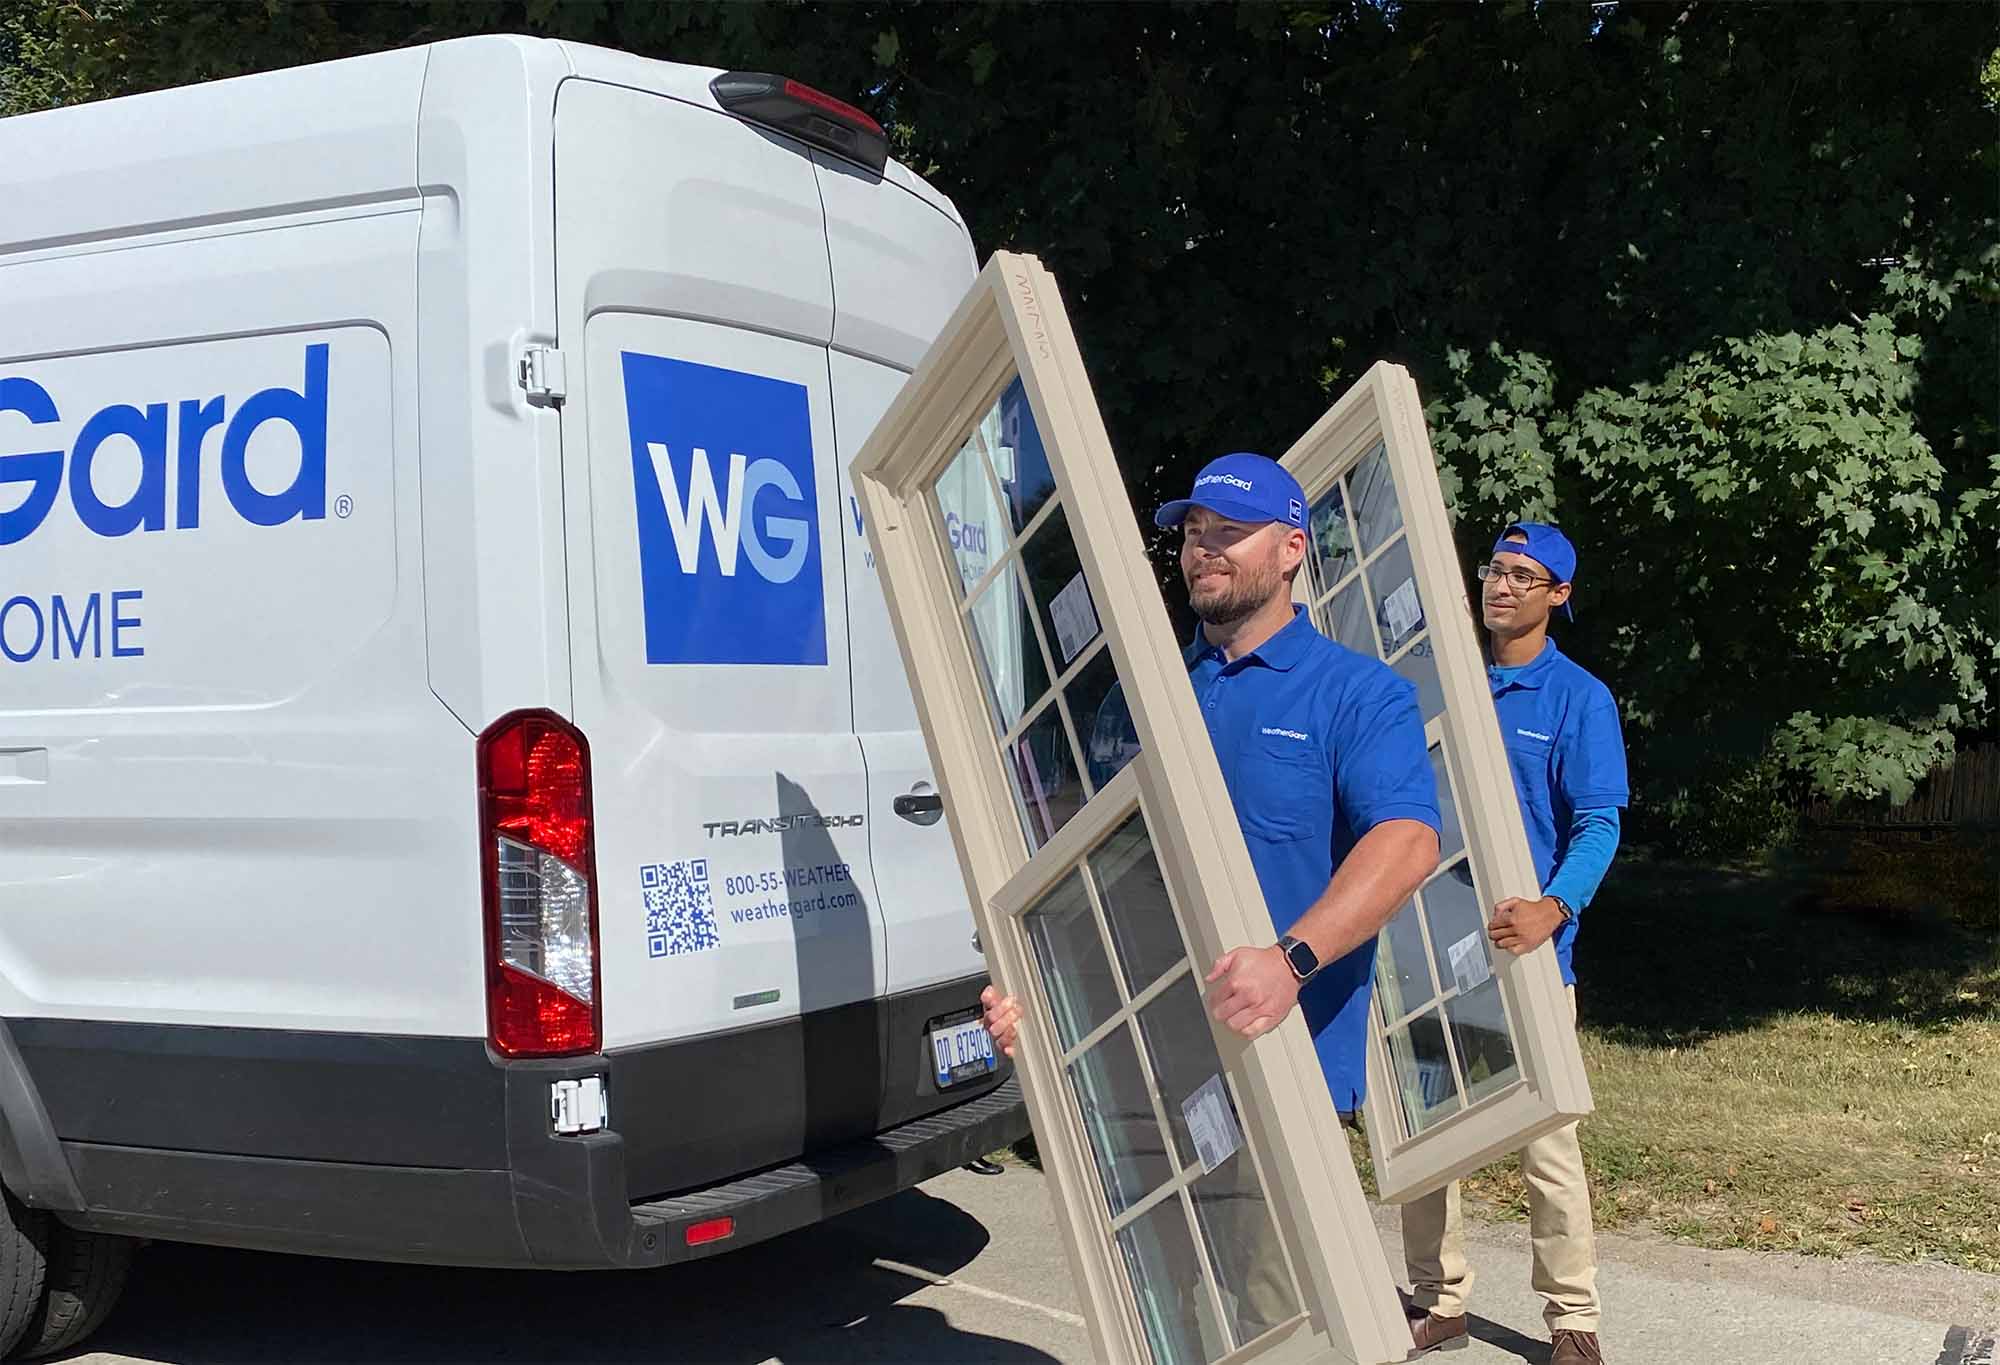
(1323, 754)
(1567, 753)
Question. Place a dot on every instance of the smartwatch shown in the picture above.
(1569, 915)
(1299, 956)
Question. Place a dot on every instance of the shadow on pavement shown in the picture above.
(812, 1296)
(1506, 1338)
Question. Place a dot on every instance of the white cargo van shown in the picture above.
(459, 797)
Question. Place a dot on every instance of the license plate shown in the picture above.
(961, 1052)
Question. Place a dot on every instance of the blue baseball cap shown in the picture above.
(1547, 546)
(1241, 487)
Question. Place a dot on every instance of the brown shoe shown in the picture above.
(1576, 1348)
(1433, 1333)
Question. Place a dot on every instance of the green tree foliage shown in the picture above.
(1715, 285)
(1783, 474)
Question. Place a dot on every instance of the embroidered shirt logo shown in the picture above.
(1283, 733)
(1533, 734)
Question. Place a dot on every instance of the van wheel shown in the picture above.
(86, 1275)
(23, 1262)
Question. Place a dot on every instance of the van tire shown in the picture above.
(86, 1274)
(24, 1234)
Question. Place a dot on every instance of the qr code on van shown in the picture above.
(680, 908)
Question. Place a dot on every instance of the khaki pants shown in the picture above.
(1565, 1273)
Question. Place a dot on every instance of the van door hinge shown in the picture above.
(543, 376)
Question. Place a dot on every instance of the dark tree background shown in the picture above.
(1717, 286)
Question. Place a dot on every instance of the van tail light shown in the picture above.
(807, 114)
(539, 884)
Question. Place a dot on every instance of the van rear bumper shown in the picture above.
(432, 1150)
(504, 1218)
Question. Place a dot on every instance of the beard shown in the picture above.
(1229, 598)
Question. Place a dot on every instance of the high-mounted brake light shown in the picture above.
(539, 886)
(809, 115)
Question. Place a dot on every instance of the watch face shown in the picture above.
(1301, 957)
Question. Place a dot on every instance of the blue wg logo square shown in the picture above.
(728, 513)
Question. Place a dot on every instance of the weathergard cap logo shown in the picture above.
(729, 555)
(169, 438)
(1229, 479)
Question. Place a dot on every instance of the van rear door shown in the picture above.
(709, 629)
(900, 265)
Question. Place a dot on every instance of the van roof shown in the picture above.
(326, 136)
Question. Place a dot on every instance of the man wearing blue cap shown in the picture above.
(1567, 752)
(1323, 754)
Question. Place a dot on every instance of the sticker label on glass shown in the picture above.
(1075, 618)
(1402, 611)
(1212, 1124)
(1469, 967)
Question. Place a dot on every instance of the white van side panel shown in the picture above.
(492, 463)
(247, 808)
(326, 136)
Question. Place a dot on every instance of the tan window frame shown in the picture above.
(1382, 412)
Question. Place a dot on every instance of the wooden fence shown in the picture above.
(1964, 796)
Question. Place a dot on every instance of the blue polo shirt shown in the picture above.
(1567, 751)
(1318, 745)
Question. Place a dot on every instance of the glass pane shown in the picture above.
(1332, 538)
(1485, 1044)
(1103, 722)
(1376, 513)
(1399, 610)
(1167, 1280)
(1182, 1051)
(1055, 579)
(1402, 972)
(1458, 928)
(1242, 1242)
(1118, 1115)
(1424, 1081)
(1134, 894)
(1346, 620)
(1076, 976)
(1048, 788)
(1419, 665)
(1020, 459)
(1451, 839)
(1009, 659)
(967, 513)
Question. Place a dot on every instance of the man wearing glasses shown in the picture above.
(1568, 755)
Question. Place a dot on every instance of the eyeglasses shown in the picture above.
(1520, 580)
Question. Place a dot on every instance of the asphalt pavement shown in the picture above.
(968, 1268)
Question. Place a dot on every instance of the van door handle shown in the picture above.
(921, 809)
